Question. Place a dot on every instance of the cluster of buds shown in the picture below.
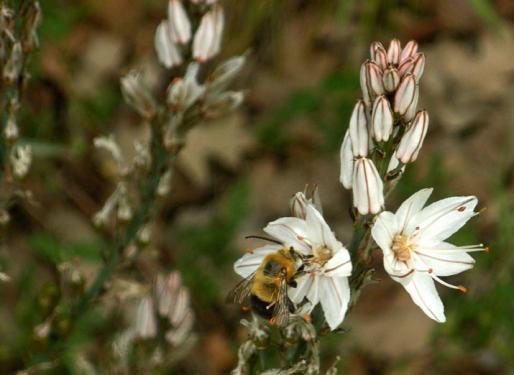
(386, 131)
(174, 34)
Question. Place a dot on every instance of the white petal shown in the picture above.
(334, 298)
(318, 230)
(248, 263)
(166, 49)
(443, 218)
(304, 284)
(346, 156)
(424, 294)
(339, 265)
(384, 229)
(410, 208)
(313, 293)
(445, 263)
(290, 231)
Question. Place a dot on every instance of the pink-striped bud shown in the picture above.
(412, 140)
(180, 26)
(391, 79)
(374, 79)
(406, 66)
(382, 119)
(409, 50)
(364, 85)
(346, 155)
(207, 39)
(373, 47)
(418, 65)
(405, 95)
(367, 187)
(411, 110)
(393, 52)
(380, 57)
(359, 130)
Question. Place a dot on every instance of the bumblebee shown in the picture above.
(266, 288)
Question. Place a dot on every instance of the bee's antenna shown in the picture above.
(264, 238)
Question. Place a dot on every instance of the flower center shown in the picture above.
(321, 255)
(402, 247)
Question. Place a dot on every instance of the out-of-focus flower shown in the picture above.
(326, 271)
(11, 131)
(21, 158)
(183, 93)
(137, 94)
(219, 105)
(359, 130)
(14, 65)
(207, 40)
(381, 119)
(367, 187)
(347, 161)
(180, 27)
(224, 74)
(165, 46)
(146, 325)
(412, 140)
(414, 247)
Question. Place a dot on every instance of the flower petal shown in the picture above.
(339, 265)
(443, 218)
(313, 293)
(424, 294)
(334, 298)
(248, 263)
(290, 231)
(445, 263)
(410, 208)
(304, 284)
(319, 232)
(384, 229)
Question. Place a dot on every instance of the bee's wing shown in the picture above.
(241, 291)
(281, 309)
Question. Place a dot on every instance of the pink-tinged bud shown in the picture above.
(405, 94)
(409, 50)
(393, 52)
(367, 186)
(412, 140)
(347, 162)
(391, 79)
(364, 85)
(419, 65)
(299, 202)
(180, 26)
(373, 47)
(382, 119)
(207, 39)
(380, 57)
(146, 325)
(359, 130)
(374, 79)
(167, 50)
(411, 110)
(406, 66)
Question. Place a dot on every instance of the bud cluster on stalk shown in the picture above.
(386, 130)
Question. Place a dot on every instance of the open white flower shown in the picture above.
(327, 264)
(414, 247)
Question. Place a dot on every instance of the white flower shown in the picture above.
(21, 158)
(414, 247)
(327, 266)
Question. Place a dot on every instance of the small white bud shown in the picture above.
(109, 144)
(374, 79)
(165, 46)
(380, 56)
(382, 119)
(146, 325)
(364, 85)
(5, 218)
(225, 73)
(368, 196)
(409, 50)
(102, 216)
(11, 131)
(359, 130)
(301, 200)
(182, 93)
(391, 79)
(405, 95)
(406, 66)
(411, 110)
(219, 105)
(418, 65)
(137, 94)
(14, 65)
(164, 186)
(179, 24)
(412, 140)
(21, 158)
(347, 162)
(393, 52)
(373, 47)
(207, 40)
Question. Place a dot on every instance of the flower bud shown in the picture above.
(412, 140)
(359, 130)
(411, 110)
(225, 73)
(393, 164)
(11, 131)
(137, 94)
(224, 103)
(167, 50)
(364, 85)
(373, 47)
(374, 79)
(368, 196)
(380, 56)
(207, 39)
(299, 202)
(146, 325)
(179, 24)
(406, 66)
(391, 79)
(382, 119)
(21, 158)
(418, 65)
(405, 94)
(14, 65)
(183, 93)
(409, 50)
(347, 162)
(393, 52)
